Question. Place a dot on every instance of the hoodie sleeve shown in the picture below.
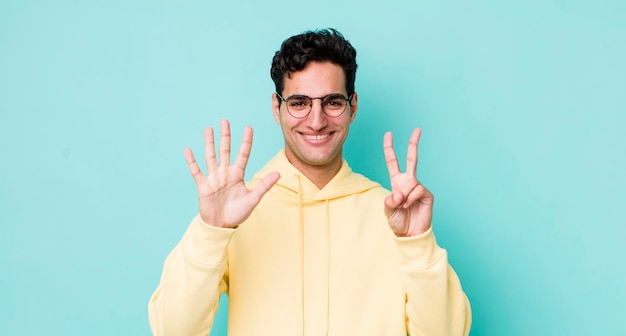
(436, 303)
(194, 276)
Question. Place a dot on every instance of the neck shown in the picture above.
(319, 175)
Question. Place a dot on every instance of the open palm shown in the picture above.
(224, 200)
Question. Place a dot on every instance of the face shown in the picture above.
(315, 141)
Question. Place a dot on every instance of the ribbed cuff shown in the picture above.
(206, 244)
(419, 252)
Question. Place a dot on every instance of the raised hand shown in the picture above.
(409, 207)
(223, 198)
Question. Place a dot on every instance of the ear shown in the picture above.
(354, 106)
(276, 108)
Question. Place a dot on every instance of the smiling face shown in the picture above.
(315, 143)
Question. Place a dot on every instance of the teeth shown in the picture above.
(317, 137)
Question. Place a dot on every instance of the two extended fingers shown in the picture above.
(412, 191)
(411, 157)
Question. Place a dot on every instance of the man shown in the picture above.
(308, 247)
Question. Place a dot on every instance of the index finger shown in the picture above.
(390, 155)
(244, 150)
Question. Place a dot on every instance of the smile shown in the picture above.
(316, 136)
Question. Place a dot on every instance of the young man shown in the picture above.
(309, 247)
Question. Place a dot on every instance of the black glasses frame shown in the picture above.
(348, 102)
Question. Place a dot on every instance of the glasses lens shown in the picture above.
(299, 106)
(334, 105)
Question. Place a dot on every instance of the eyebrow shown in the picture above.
(324, 96)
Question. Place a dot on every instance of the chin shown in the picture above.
(319, 161)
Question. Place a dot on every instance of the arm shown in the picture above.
(436, 303)
(194, 276)
(196, 271)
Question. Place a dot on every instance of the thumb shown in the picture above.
(264, 186)
(392, 202)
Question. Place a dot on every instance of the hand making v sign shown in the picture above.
(409, 207)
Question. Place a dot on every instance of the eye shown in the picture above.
(335, 101)
(299, 102)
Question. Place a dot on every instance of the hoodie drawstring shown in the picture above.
(302, 249)
(301, 225)
(328, 265)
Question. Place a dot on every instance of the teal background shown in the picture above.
(522, 105)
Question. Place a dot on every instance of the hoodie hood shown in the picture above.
(294, 183)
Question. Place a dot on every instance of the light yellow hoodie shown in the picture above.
(310, 262)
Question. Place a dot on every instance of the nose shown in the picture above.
(317, 119)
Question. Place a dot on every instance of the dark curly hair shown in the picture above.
(324, 45)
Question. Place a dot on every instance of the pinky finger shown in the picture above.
(194, 169)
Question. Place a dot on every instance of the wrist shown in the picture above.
(216, 224)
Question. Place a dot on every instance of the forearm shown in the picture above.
(194, 276)
(436, 303)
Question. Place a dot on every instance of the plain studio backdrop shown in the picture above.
(522, 106)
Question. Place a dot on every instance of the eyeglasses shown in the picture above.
(299, 106)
